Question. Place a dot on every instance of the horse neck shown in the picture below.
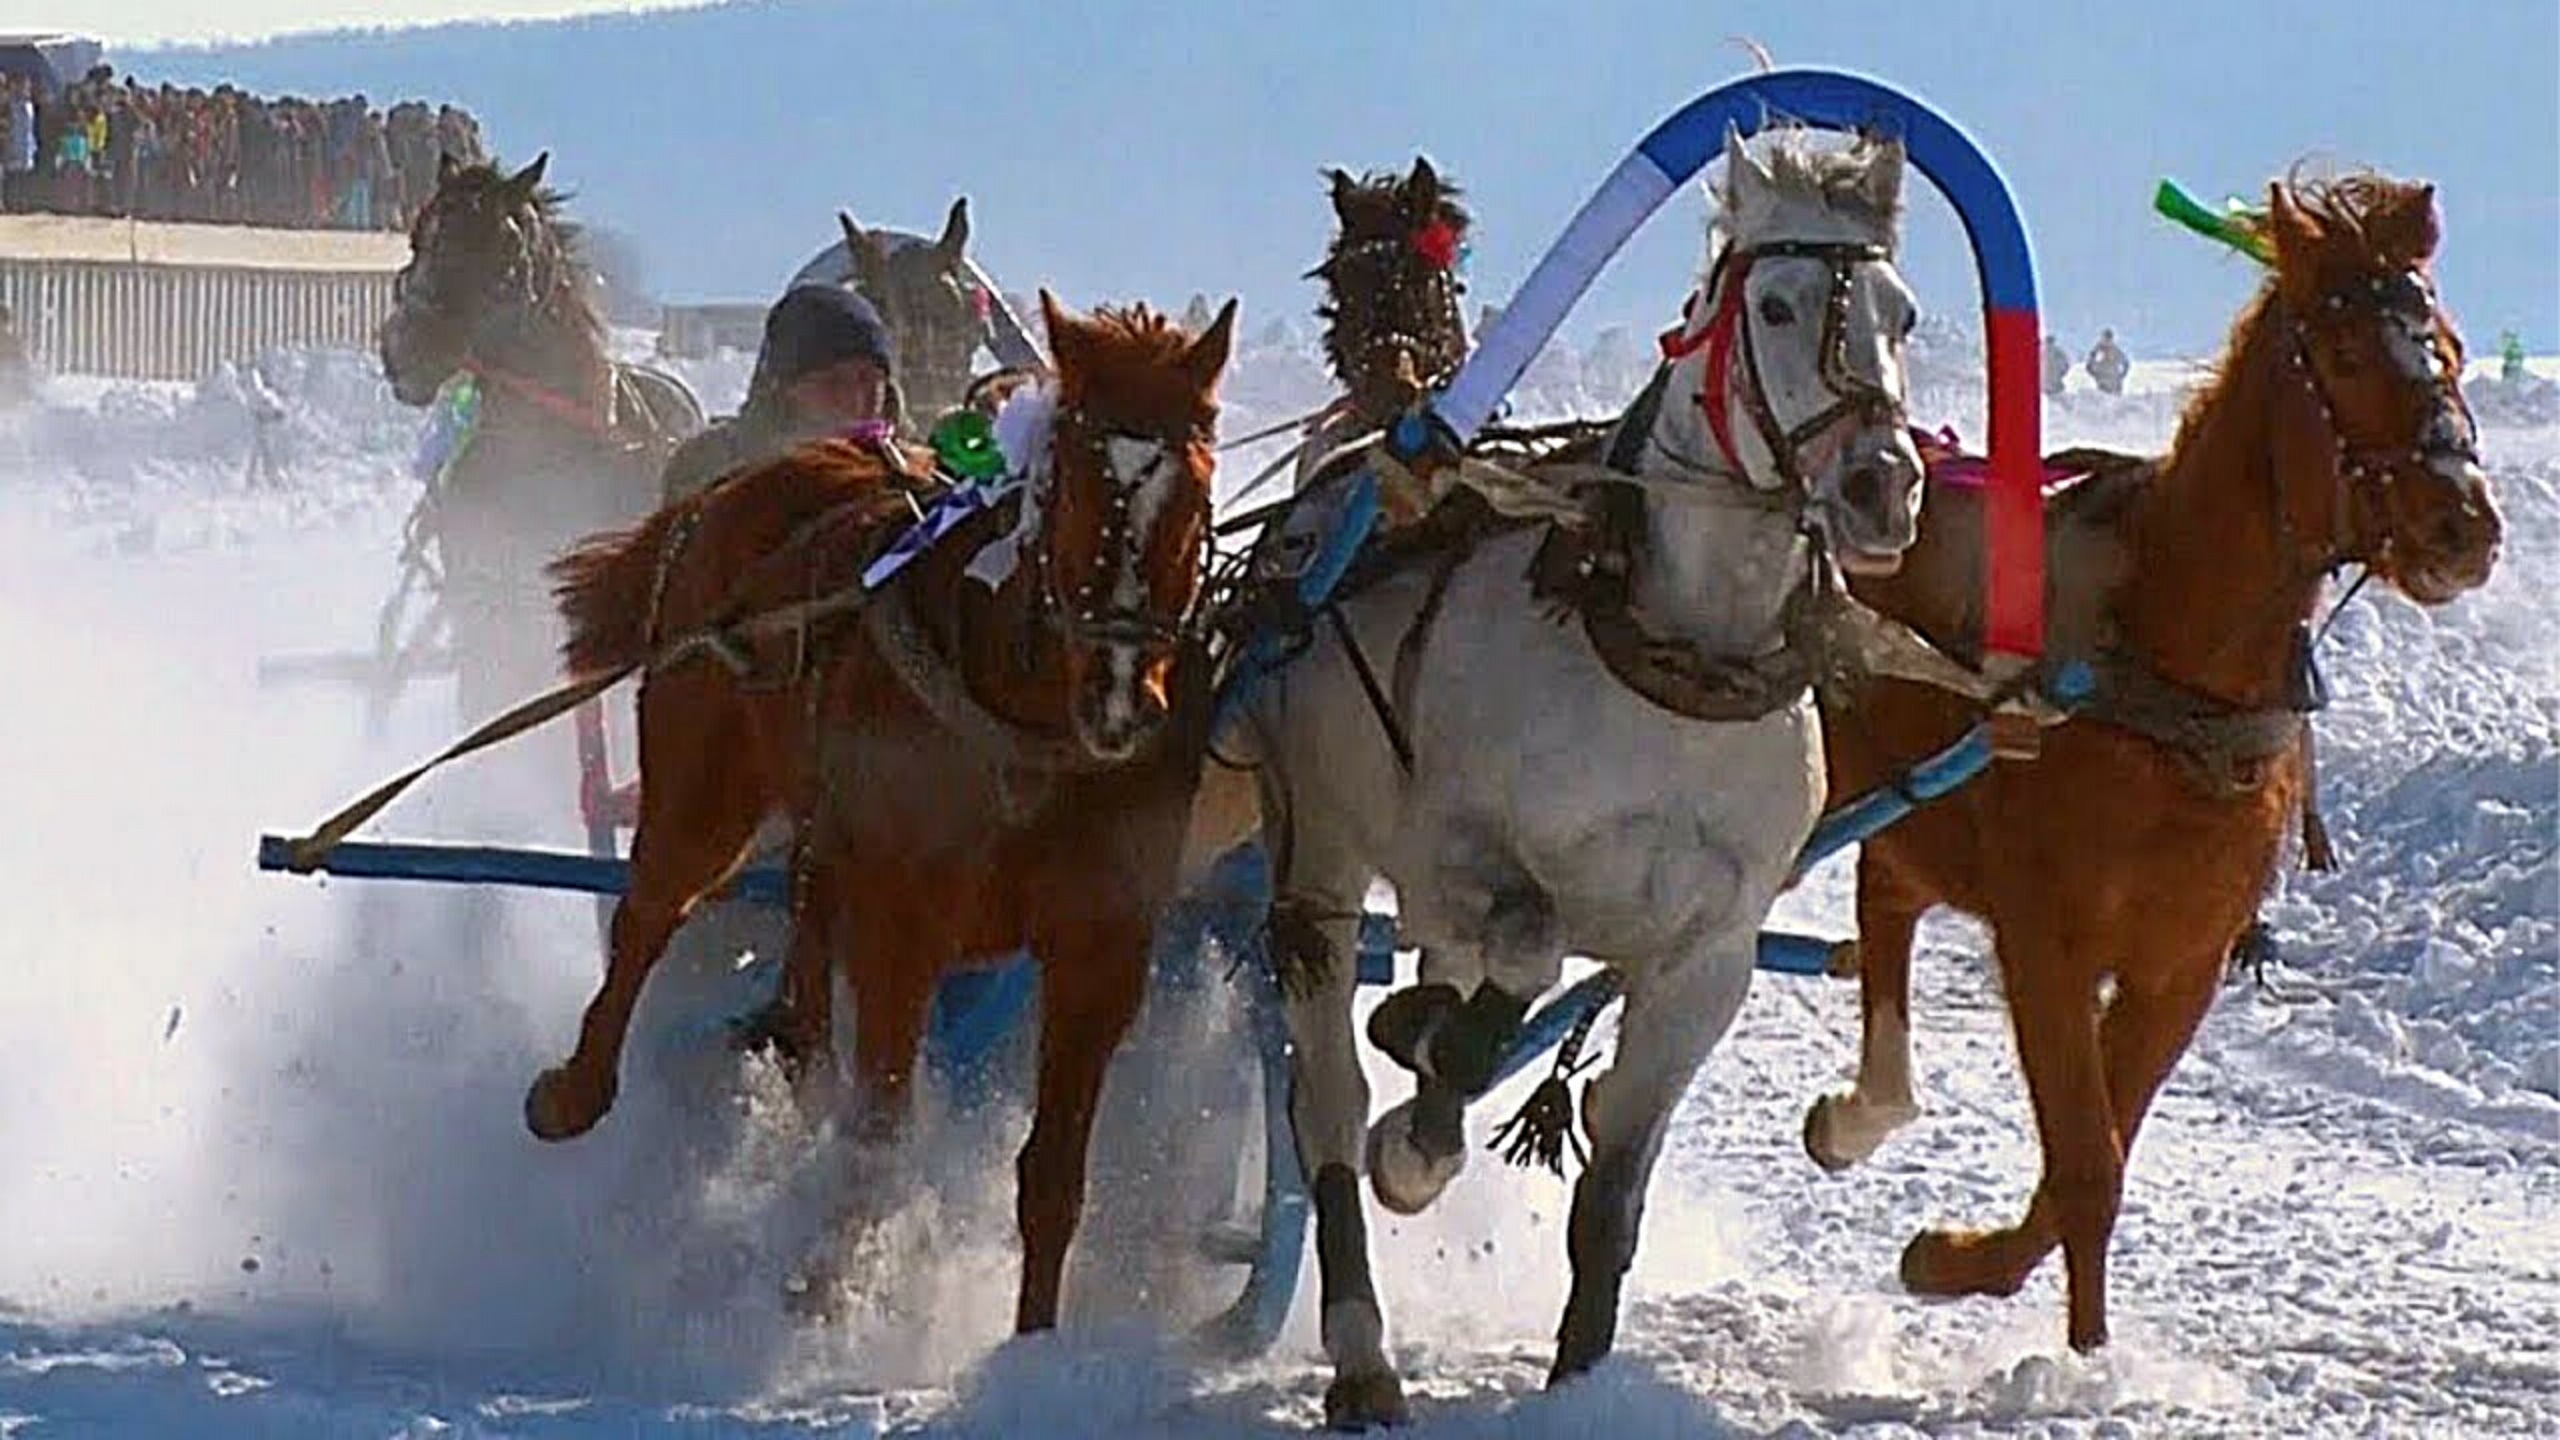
(552, 350)
(1714, 566)
(2215, 593)
(1007, 653)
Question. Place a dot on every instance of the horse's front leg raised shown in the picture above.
(1328, 1113)
(1673, 1017)
(695, 824)
(1453, 1028)
(1842, 1130)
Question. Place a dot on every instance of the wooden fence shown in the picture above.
(172, 302)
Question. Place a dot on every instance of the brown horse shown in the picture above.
(568, 440)
(1393, 324)
(2135, 848)
(972, 766)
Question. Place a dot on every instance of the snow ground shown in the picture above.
(269, 1177)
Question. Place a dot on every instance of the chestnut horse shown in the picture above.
(994, 752)
(2138, 844)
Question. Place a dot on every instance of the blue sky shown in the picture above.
(1115, 148)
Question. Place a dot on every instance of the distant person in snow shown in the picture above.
(2511, 357)
(17, 144)
(2057, 365)
(2107, 364)
(827, 367)
(266, 424)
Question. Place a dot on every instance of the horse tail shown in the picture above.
(607, 587)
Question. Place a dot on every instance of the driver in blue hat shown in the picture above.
(828, 366)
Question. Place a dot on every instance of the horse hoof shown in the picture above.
(1817, 1136)
(1365, 1401)
(1957, 1263)
(558, 1108)
(1404, 1178)
(1839, 1132)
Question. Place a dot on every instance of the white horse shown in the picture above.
(1549, 807)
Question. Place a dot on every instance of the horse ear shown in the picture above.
(954, 243)
(2409, 229)
(1422, 189)
(1746, 183)
(1065, 328)
(1208, 354)
(1344, 187)
(1882, 186)
(867, 252)
(526, 181)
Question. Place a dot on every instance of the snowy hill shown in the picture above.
(267, 1176)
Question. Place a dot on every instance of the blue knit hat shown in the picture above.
(814, 326)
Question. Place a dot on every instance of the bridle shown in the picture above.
(1730, 328)
(1092, 617)
(2361, 469)
(1389, 265)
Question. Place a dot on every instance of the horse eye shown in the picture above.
(1774, 310)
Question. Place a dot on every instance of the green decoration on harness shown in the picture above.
(451, 425)
(964, 441)
(2237, 225)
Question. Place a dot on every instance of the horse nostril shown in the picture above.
(1863, 487)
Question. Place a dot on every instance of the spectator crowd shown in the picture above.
(104, 146)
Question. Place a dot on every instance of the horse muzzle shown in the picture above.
(417, 357)
(1871, 511)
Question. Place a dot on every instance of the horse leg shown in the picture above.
(1328, 1113)
(898, 952)
(2053, 1015)
(800, 1022)
(895, 949)
(1090, 991)
(1673, 1017)
(1454, 1043)
(695, 825)
(1842, 1130)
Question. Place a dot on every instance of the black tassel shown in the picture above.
(2318, 855)
(1543, 1129)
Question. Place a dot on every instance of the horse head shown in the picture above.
(1393, 325)
(931, 301)
(490, 262)
(2358, 325)
(1793, 345)
(1124, 537)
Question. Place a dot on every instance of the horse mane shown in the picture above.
(1142, 335)
(1372, 207)
(1131, 354)
(1801, 162)
(2368, 214)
